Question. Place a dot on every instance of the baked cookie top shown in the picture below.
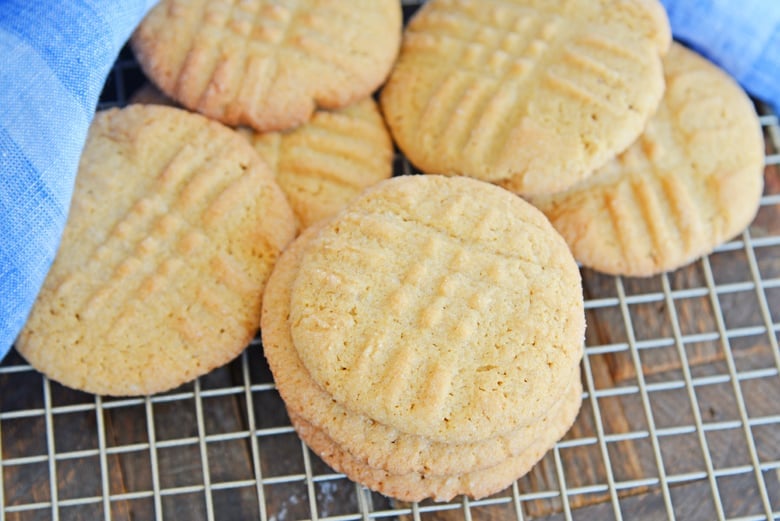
(530, 94)
(374, 443)
(329, 160)
(692, 181)
(442, 307)
(173, 231)
(268, 64)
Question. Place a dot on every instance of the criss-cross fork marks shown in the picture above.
(672, 203)
(443, 299)
(505, 40)
(148, 246)
(208, 76)
(482, 92)
(483, 59)
(238, 47)
(255, 21)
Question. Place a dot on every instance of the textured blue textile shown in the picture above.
(742, 36)
(55, 56)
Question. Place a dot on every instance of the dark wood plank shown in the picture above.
(23, 437)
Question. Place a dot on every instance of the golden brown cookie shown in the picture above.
(692, 181)
(372, 443)
(173, 231)
(443, 307)
(416, 486)
(326, 162)
(268, 64)
(533, 95)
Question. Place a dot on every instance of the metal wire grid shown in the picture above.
(280, 479)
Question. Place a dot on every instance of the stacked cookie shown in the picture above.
(426, 340)
(642, 157)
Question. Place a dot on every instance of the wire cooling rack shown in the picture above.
(680, 420)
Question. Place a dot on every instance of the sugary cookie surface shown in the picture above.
(174, 229)
(692, 181)
(451, 299)
(268, 64)
(530, 94)
(375, 444)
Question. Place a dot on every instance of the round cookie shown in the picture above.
(268, 64)
(692, 181)
(418, 486)
(533, 95)
(325, 163)
(372, 443)
(452, 299)
(173, 231)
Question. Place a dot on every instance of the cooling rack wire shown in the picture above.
(680, 419)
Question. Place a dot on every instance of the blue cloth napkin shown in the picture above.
(55, 56)
(54, 59)
(742, 36)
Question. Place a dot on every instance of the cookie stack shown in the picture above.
(426, 340)
(643, 157)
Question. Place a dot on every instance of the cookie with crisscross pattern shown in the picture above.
(426, 339)
(530, 94)
(173, 231)
(692, 180)
(372, 443)
(451, 299)
(268, 64)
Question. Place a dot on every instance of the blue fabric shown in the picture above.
(55, 56)
(54, 59)
(742, 36)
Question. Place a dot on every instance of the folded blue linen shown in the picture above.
(742, 37)
(54, 59)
